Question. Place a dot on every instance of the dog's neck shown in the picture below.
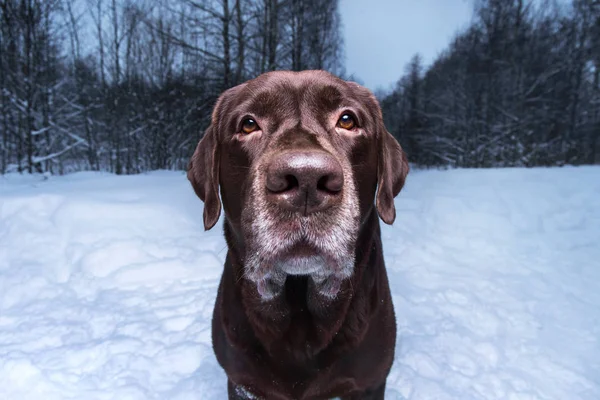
(300, 321)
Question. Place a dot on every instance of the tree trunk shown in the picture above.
(241, 43)
(226, 45)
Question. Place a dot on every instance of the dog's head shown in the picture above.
(300, 159)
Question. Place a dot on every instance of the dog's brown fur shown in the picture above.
(301, 337)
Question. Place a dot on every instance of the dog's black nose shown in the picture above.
(304, 181)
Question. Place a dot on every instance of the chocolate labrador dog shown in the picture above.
(305, 169)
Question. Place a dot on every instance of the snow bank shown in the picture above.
(107, 286)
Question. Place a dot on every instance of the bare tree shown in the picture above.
(141, 97)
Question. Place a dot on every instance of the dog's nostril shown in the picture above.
(330, 183)
(322, 184)
(282, 183)
(292, 182)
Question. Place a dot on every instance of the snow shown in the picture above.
(107, 285)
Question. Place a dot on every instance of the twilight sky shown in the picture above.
(382, 35)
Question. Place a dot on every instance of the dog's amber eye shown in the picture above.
(346, 121)
(249, 125)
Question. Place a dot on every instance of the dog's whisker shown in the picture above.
(222, 249)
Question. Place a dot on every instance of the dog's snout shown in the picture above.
(304, 181)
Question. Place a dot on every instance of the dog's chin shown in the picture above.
(302, 265)
(325, 279)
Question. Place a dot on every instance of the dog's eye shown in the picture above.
(249, 125)
(346, 121)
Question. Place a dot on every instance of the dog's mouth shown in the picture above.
(302, 259)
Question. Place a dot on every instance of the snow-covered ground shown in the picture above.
(107, 286)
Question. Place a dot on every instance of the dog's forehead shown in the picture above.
(294, 92)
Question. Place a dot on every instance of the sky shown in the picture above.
(381, 36)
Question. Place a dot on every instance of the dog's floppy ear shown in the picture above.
(392, 168)
(392, 163)
(203, 170)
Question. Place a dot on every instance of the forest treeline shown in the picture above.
(128, 85)
(519, 87)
